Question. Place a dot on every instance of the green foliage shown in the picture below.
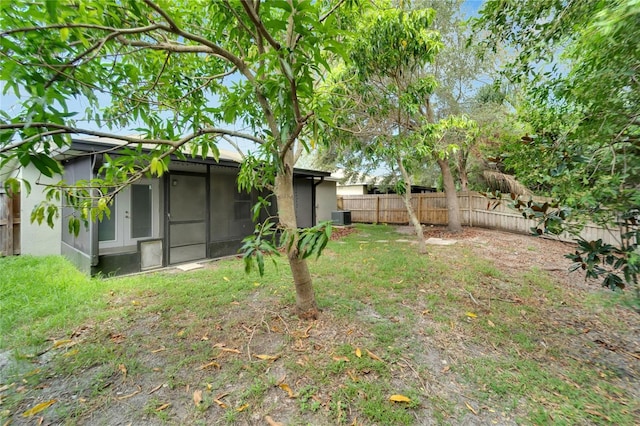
(578, 64)
(177, 73)
(270, 237)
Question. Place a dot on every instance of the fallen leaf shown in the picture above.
(209, 364)
(71, 353)
(285, 387)
(135, 303)
(235, 351)
(447, 368)
(272, 422)
(242, 408)
(37, 408)
(267, 357)
(204, 338)
(491, 324)
(5, 387)
(180, 333)
(155, 351)
(123, 369)
(209, 387)
(197, 397)
(131, 394)
(219, 345)
(358, 353)
(399, 398)
(156, 388)
(353, 375)
(341, 358)
(163, 406)
(225, 278)
(471, 408)
(471, 315)
(426, 312)
(235, 303)
(62, 342)
(220, 403)
(373, 356)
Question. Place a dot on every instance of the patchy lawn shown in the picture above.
(490, 330)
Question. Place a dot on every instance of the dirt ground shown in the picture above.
(242, 331)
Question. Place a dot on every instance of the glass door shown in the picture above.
(135, 215)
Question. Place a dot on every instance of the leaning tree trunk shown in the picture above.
(306, 307)
(462, 170)
(453, 207)
(415, 221)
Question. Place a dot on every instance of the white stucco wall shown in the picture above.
(326, 200)
(37, 240)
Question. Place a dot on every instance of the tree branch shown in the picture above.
(292, 138)
(252, 14)
(63, 129)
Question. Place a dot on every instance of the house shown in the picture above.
(365, 184)
(193, 212)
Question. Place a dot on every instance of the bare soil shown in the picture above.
(103, 396)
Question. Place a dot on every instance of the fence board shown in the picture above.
(9, 224)
(475, 210)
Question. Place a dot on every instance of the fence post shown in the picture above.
(378, 209)
(10, 224)
(419, 208)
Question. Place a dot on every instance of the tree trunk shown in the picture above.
(415, 221)
(453, 207)
(463, 176)
(306, 307)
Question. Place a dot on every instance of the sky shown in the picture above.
(10, 103)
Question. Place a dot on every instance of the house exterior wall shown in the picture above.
(351, 189)
(304, 203)
(326, 200)
(204, 195)
(37, 240)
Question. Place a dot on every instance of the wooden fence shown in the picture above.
(431, 209)
(9, 223)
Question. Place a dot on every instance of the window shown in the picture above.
(140, 211)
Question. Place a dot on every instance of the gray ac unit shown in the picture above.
(341, 218)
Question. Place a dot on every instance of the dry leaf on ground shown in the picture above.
(272, 422)
(285, 387)
(37, 408)
(399, 398)
(197, 397)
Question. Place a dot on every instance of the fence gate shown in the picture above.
(9, 223)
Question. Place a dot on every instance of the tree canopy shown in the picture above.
(578, 63)
(182, 75)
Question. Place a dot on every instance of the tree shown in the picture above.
(396, 77)
(378, 101)
(181, 72)
(579, 64)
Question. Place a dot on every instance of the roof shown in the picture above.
(109, 145)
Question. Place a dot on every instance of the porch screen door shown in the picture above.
(187, 217)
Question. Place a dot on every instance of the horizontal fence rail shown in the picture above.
(475, 210)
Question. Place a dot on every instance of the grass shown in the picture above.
(452, 331)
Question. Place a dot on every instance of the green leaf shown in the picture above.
(52, 10)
